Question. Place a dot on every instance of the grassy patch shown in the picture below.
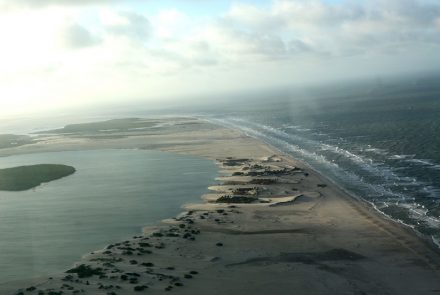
(26, 177)
(236, 200)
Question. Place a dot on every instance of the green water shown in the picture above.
(113, 194)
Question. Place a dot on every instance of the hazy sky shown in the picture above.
(57, 53)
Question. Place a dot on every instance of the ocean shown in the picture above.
(379, 141)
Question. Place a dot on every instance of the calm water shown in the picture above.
(380, 142)
(113, 194)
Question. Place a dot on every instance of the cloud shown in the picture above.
(171, 23)
(132, 51)
(75, 36)
(127, 24)
(342, 27)
(298, 46)
(236, 45)
(437, 23)
(7, 4)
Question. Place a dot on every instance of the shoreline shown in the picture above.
(435, 245)
(358, 200)
(327, 227)
(428, 239)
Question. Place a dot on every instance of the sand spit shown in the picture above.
(213, 247)
(271, 226)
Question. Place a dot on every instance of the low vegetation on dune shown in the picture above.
(26, 177)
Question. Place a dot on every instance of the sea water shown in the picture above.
(112, 195)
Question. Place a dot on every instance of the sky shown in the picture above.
(58, 54)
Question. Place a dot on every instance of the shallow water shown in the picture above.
(113, 194)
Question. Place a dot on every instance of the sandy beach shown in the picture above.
(271, 225)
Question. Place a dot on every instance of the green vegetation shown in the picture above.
(236, 200)
(85, 271)
(11, 140)
(123, 128)
(109, 126)
(27, 177)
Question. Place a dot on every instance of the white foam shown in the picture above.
(271, 135)
(423, 162)
(377, 151)
(401, 157)
(296, 128)
(436, 240)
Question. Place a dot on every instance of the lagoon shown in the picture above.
(112, 195)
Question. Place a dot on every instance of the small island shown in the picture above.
(26, 177)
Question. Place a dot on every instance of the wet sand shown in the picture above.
(271, 225)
